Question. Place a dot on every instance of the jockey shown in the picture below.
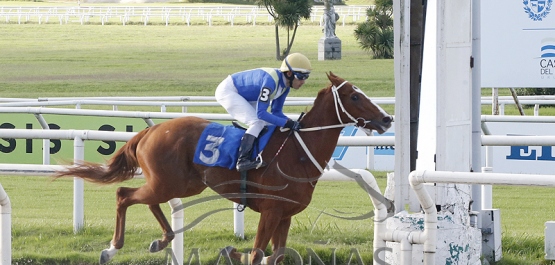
(247, 96)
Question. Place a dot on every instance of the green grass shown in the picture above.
(524, 211)
(43, 228)
(42, 224)
(90, 60)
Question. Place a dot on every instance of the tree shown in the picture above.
(376, 33)
(287, 14)
(535, 91)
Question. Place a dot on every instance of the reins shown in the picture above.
(338, 104)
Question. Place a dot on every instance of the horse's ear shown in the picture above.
(331, 76)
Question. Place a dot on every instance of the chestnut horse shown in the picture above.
(295, 160)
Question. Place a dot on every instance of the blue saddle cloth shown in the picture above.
(218, 145)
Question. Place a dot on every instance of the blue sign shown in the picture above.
(525, 153)
(384, 150)
(340, 151)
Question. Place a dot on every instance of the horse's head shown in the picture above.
(352, 105)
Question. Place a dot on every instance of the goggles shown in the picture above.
(301, 76)
(298, 75)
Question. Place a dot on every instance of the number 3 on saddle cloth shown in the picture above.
(218, 145)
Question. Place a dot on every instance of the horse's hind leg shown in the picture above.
(158, 245)
(123, 201)
(125, 198)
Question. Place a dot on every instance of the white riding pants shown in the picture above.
(238, 107)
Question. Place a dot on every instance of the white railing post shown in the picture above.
(487, 191)
(45, 142)
(177, 224)
(6, 226)
(78, 186)
(238, 222)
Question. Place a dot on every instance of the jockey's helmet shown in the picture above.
(296, 62)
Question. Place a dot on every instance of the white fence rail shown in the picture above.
(192, 101)
(78, 136)
(166, 15)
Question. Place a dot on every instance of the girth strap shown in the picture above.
(243, 190)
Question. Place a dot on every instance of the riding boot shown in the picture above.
(244, 162)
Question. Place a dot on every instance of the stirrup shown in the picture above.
(249, 164)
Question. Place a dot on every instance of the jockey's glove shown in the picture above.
(293, 125)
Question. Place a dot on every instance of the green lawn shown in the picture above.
(42, 218)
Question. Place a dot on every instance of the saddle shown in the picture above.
(218, 144)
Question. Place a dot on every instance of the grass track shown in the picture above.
(42, 218)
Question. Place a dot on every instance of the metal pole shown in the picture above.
(476, 104)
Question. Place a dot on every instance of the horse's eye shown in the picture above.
(354, 97)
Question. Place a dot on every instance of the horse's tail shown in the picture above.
(121, 167)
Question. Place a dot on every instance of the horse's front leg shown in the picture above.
(269, 222)
(168, 235)
(279, 240)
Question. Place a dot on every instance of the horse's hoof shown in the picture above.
(228, 250)
(157, 245)
(154, 246)
(104, 258)
(107, 254)
(231, 252)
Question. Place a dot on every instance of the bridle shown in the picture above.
(357, 122)
(338, 102)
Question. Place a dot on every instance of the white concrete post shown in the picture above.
(476, 102)
(401, 26)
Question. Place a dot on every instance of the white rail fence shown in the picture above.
(166, 15)
(194, 101)
(428, 237)
(79, 136)
(177, 219)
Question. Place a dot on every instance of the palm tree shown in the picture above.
(287, 14)
(376, 33)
